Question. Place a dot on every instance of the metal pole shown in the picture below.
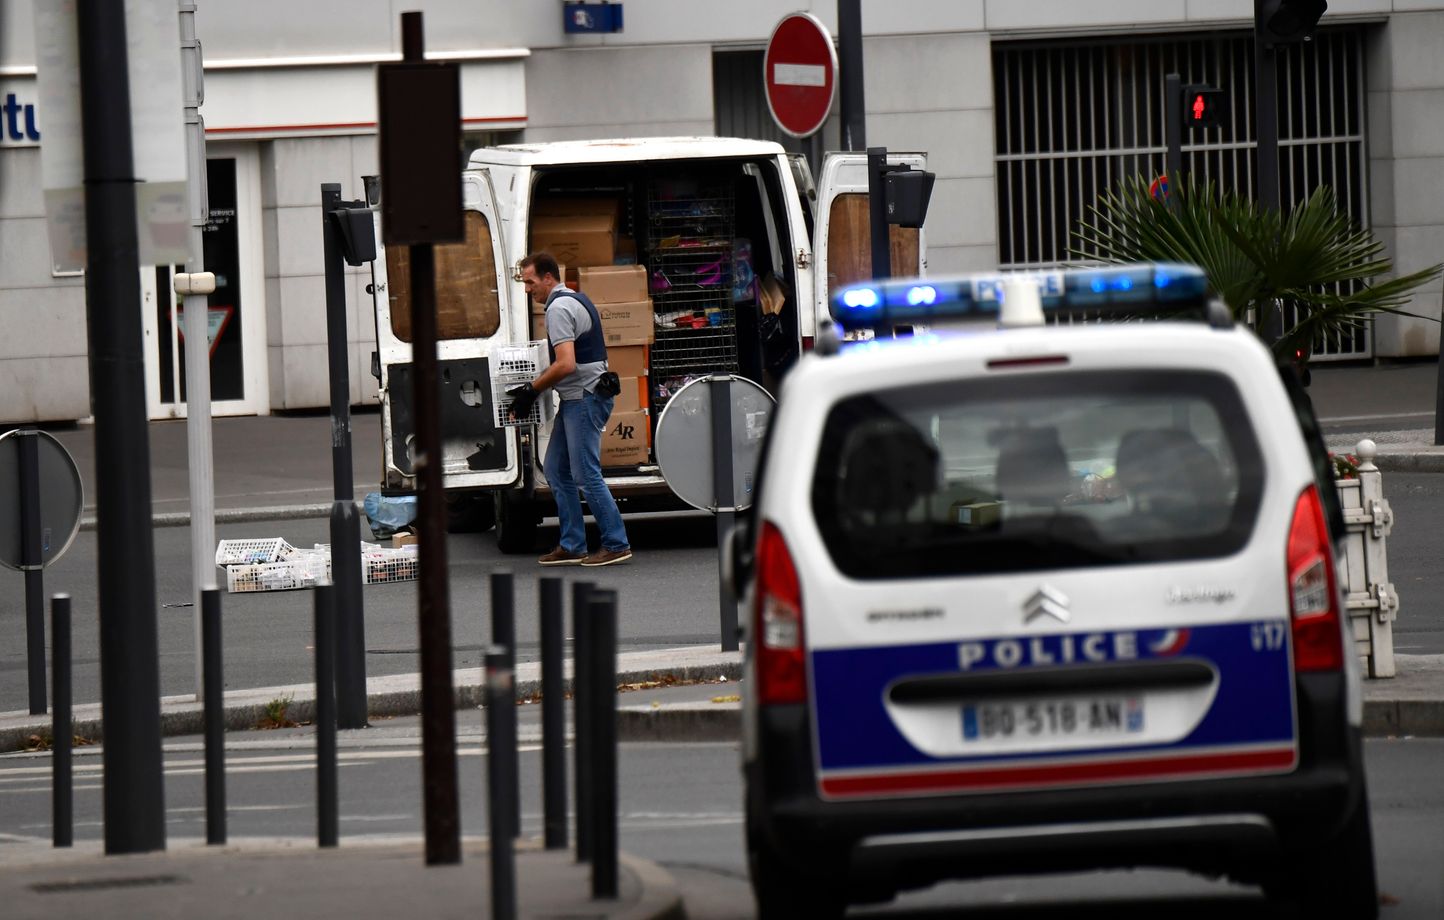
(503, 634)
(554, 716)
(345, 521)
(501, 782)
(197, 350)
(1173, 135)
(438, 703)
(849, 65)
(582, 714)
(33, 563)
(129, 661)
(877, 213)
(724, 500)
(215, 716)
(1266, 131)
(61, 734)
(327, 799)
(604, 727)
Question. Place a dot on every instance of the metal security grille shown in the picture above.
(1075, 118)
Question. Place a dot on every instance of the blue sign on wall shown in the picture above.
(591, 17)
(17, 120)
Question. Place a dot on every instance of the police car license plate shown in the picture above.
(1075, 717)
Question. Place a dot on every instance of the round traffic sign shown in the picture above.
(686, 447)
(800, 73)
(60, 497)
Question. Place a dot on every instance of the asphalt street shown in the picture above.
(680, 806)
(667, 595)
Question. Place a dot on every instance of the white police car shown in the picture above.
(1047, 597)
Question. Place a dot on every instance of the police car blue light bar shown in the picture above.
(1161, 286)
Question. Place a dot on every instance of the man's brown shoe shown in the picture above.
(560, 556)
(607, 557)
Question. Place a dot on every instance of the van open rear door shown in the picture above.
(471, 286)
(842, 238)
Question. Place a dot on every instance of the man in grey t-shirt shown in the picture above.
(574, 453)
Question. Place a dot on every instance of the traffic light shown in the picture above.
(1203, 106)
(1280, 21)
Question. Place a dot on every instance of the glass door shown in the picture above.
(235, 315)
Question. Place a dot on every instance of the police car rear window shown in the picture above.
(1043, 471)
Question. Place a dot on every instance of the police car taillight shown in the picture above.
(1318, 643)
(781, 674)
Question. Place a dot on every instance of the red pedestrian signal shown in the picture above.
(1203, 106)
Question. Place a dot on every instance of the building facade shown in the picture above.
(1026, 111)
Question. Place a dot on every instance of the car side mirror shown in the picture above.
(736, 557)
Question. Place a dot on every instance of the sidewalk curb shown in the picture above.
(396, 695)
(661, 897)
(232, 515)
(1416, 461)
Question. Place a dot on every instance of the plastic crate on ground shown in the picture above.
(301, 570)
(244, 552)
(384, 565)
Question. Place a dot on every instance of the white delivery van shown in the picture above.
(702, 254)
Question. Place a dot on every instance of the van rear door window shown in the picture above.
(1039, 472)
(466, 297)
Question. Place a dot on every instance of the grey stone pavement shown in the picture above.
(280, 467)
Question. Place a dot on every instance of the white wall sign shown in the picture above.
(157, 131)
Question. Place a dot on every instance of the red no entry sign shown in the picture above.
(800, 72)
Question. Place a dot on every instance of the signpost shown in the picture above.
(37, 522)
(420, 141)
(800, 73)
(709, 440)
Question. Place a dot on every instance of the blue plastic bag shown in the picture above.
(388, 513)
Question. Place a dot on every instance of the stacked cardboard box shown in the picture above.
(620, 293)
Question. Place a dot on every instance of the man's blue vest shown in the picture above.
(591, 345)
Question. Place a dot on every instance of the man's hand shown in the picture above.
(522, 397)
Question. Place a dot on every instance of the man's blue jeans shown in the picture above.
(574, 457)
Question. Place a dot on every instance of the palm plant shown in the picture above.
(1315, 260)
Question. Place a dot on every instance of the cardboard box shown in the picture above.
(633, 397)
(584, 239)
(572, 207)
(627, 440)
(626, 323)
(613, 283)
(399, 540)
(627, 360)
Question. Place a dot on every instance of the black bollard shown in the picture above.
(213, 694)
(327, 804)
(62, 786)
(503, 635)
(554, 716)
(501, 780)
(603, 692)
(581, 714)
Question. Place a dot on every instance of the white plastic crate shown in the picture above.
(301, 570)
(246, 552)
(511, 365)
(384, 565)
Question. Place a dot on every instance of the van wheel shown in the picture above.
(783, 893)
(1337, 878)
(516, 523)
(469, 512)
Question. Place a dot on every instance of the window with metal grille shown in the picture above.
(1074, 118)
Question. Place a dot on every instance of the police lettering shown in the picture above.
(1045, 650)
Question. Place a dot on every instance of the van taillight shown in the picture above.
(1318, 641)
(781, 675)
(807, 342)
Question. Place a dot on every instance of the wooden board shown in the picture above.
(849, 244)
(467, 305)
